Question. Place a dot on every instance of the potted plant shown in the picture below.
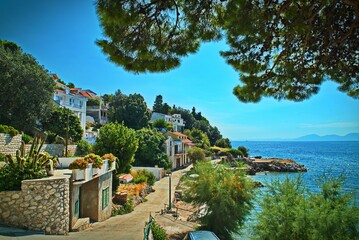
(96, 161)
(81, 169)
(111, 160)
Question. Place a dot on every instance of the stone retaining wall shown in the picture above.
(9, 145)
(55, 149)
(42, 205)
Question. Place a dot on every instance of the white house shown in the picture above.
(71, 99)
(178, 123)
(97, 111)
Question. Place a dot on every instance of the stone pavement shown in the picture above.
(124, 227)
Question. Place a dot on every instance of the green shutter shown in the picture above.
(77, 208)
(105, 197)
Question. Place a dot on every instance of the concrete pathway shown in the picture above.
(124, 227)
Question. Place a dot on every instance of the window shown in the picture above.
(105, 197)
(77, 208)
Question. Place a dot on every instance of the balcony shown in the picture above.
(72, 105)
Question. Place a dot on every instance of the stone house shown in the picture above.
(57, 204)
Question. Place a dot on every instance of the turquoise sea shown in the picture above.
(330, 158)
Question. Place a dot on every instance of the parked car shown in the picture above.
(201, 235)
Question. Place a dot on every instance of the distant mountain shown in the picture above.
(315, 137)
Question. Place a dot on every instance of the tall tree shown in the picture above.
(282, 49)
(223, 143)
(166, 109)
(25, 90)
(58, 121)
(158, 104)
(161, 107)
(132, 110)
(150, 149)
(119, 140)
(213, 134)
(200, 138)
(224, 194)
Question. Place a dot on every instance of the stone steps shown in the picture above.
(81, 224)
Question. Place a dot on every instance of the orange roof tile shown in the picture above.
(126, 176)
(85, 94)
(179, 134)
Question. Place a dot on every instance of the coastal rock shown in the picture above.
(273, 165)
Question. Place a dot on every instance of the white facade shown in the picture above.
(72, 101)
(177, 146)
(178, 123)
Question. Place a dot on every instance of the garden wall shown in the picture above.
(9, 145)
(42, 205)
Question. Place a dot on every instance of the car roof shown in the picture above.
(202, 235)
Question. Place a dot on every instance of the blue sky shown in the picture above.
(61, 36)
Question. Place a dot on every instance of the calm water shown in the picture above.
(330, 158)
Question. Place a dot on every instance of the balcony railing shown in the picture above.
(66, 104)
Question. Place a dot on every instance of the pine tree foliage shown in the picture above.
(281, 49)
(291, 211)
(153, 35)
(131, 110)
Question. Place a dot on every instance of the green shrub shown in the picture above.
(2, 157)
(243, 150)
(22, 167)
(140, 179)
(27, 138)
(144, 175)
(196, 154)
(115, 182)
(9, 130)
(119, 140)
(11, 177)
(290, 210)
(235, 152)
(126, 208)
(159, 233)
(83, 147)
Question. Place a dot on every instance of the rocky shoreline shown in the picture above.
(258, 164)
(273, 165)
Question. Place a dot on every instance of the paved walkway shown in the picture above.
(124, 227)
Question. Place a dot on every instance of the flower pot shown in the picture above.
(104, 168)
(94, 171)
(89, 172)
(78, 174)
